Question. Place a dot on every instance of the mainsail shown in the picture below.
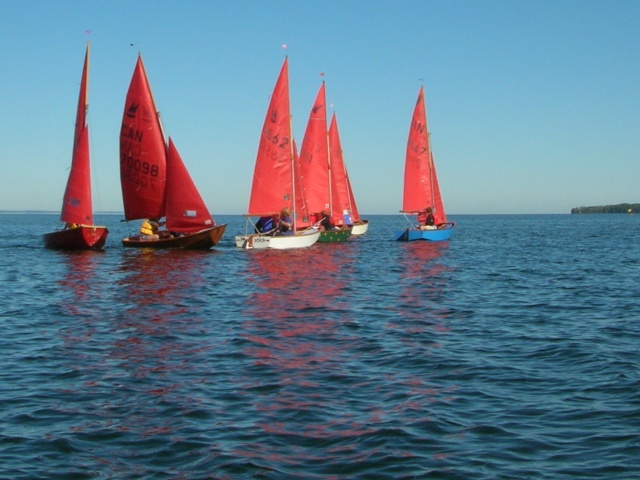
(76, 205)
(314, 157)
(272, 187)
(420, 181)
(276, 182)
(142, 151)
(344, 202)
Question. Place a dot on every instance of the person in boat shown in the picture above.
(426, 220)
(325, 221)
(149, 229)
(265, 224)
(68, 226)
(285, 223)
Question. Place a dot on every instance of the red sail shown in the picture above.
(421, 188)
(314, 157)
(344, 204)
(355, 214)
(273, 186)
(83, 100)
(276, 182)
(142, 151)
(302, 218)
(185, 210)
(76, 205)
(438, 215)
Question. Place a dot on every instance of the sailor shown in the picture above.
(149, 229)
(426, 220)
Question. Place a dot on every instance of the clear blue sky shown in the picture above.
(533, 106)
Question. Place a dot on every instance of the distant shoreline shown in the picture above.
(619, 208)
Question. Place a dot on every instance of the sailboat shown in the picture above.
(155, 182)
(276, 178)
(421, 189)
(77, 209)
(316, 169)
(344, 200)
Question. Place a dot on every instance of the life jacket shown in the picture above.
(425, 218)
(284, 228)
(147, 228)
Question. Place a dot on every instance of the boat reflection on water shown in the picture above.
(424, 278)
(157, 344)
(419, 260)
(296, 292)
(160, 290)
(295, 339)
(424, 316)
(79, 282)
(144, 349)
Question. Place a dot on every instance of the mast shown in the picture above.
(292, 157)
(329, 165)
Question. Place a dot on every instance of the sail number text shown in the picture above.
(133, 169)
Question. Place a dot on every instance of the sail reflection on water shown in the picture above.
(295, 339)
(424, 277)
(79, 282)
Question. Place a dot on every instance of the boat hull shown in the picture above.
(254, 241)
(202, 240)
(84, 237)
(438, 235)
(279, 242)
(338, 235)
(360, 228)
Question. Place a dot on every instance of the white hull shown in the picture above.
(360, 228)
(278, 242)
(252, 241)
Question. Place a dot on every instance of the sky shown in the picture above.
(533, 105)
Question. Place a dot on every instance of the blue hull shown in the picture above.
(411, 234)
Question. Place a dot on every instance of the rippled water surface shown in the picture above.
(509, 352)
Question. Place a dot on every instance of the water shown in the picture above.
(509, 352)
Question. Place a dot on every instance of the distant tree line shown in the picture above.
(620, 208)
